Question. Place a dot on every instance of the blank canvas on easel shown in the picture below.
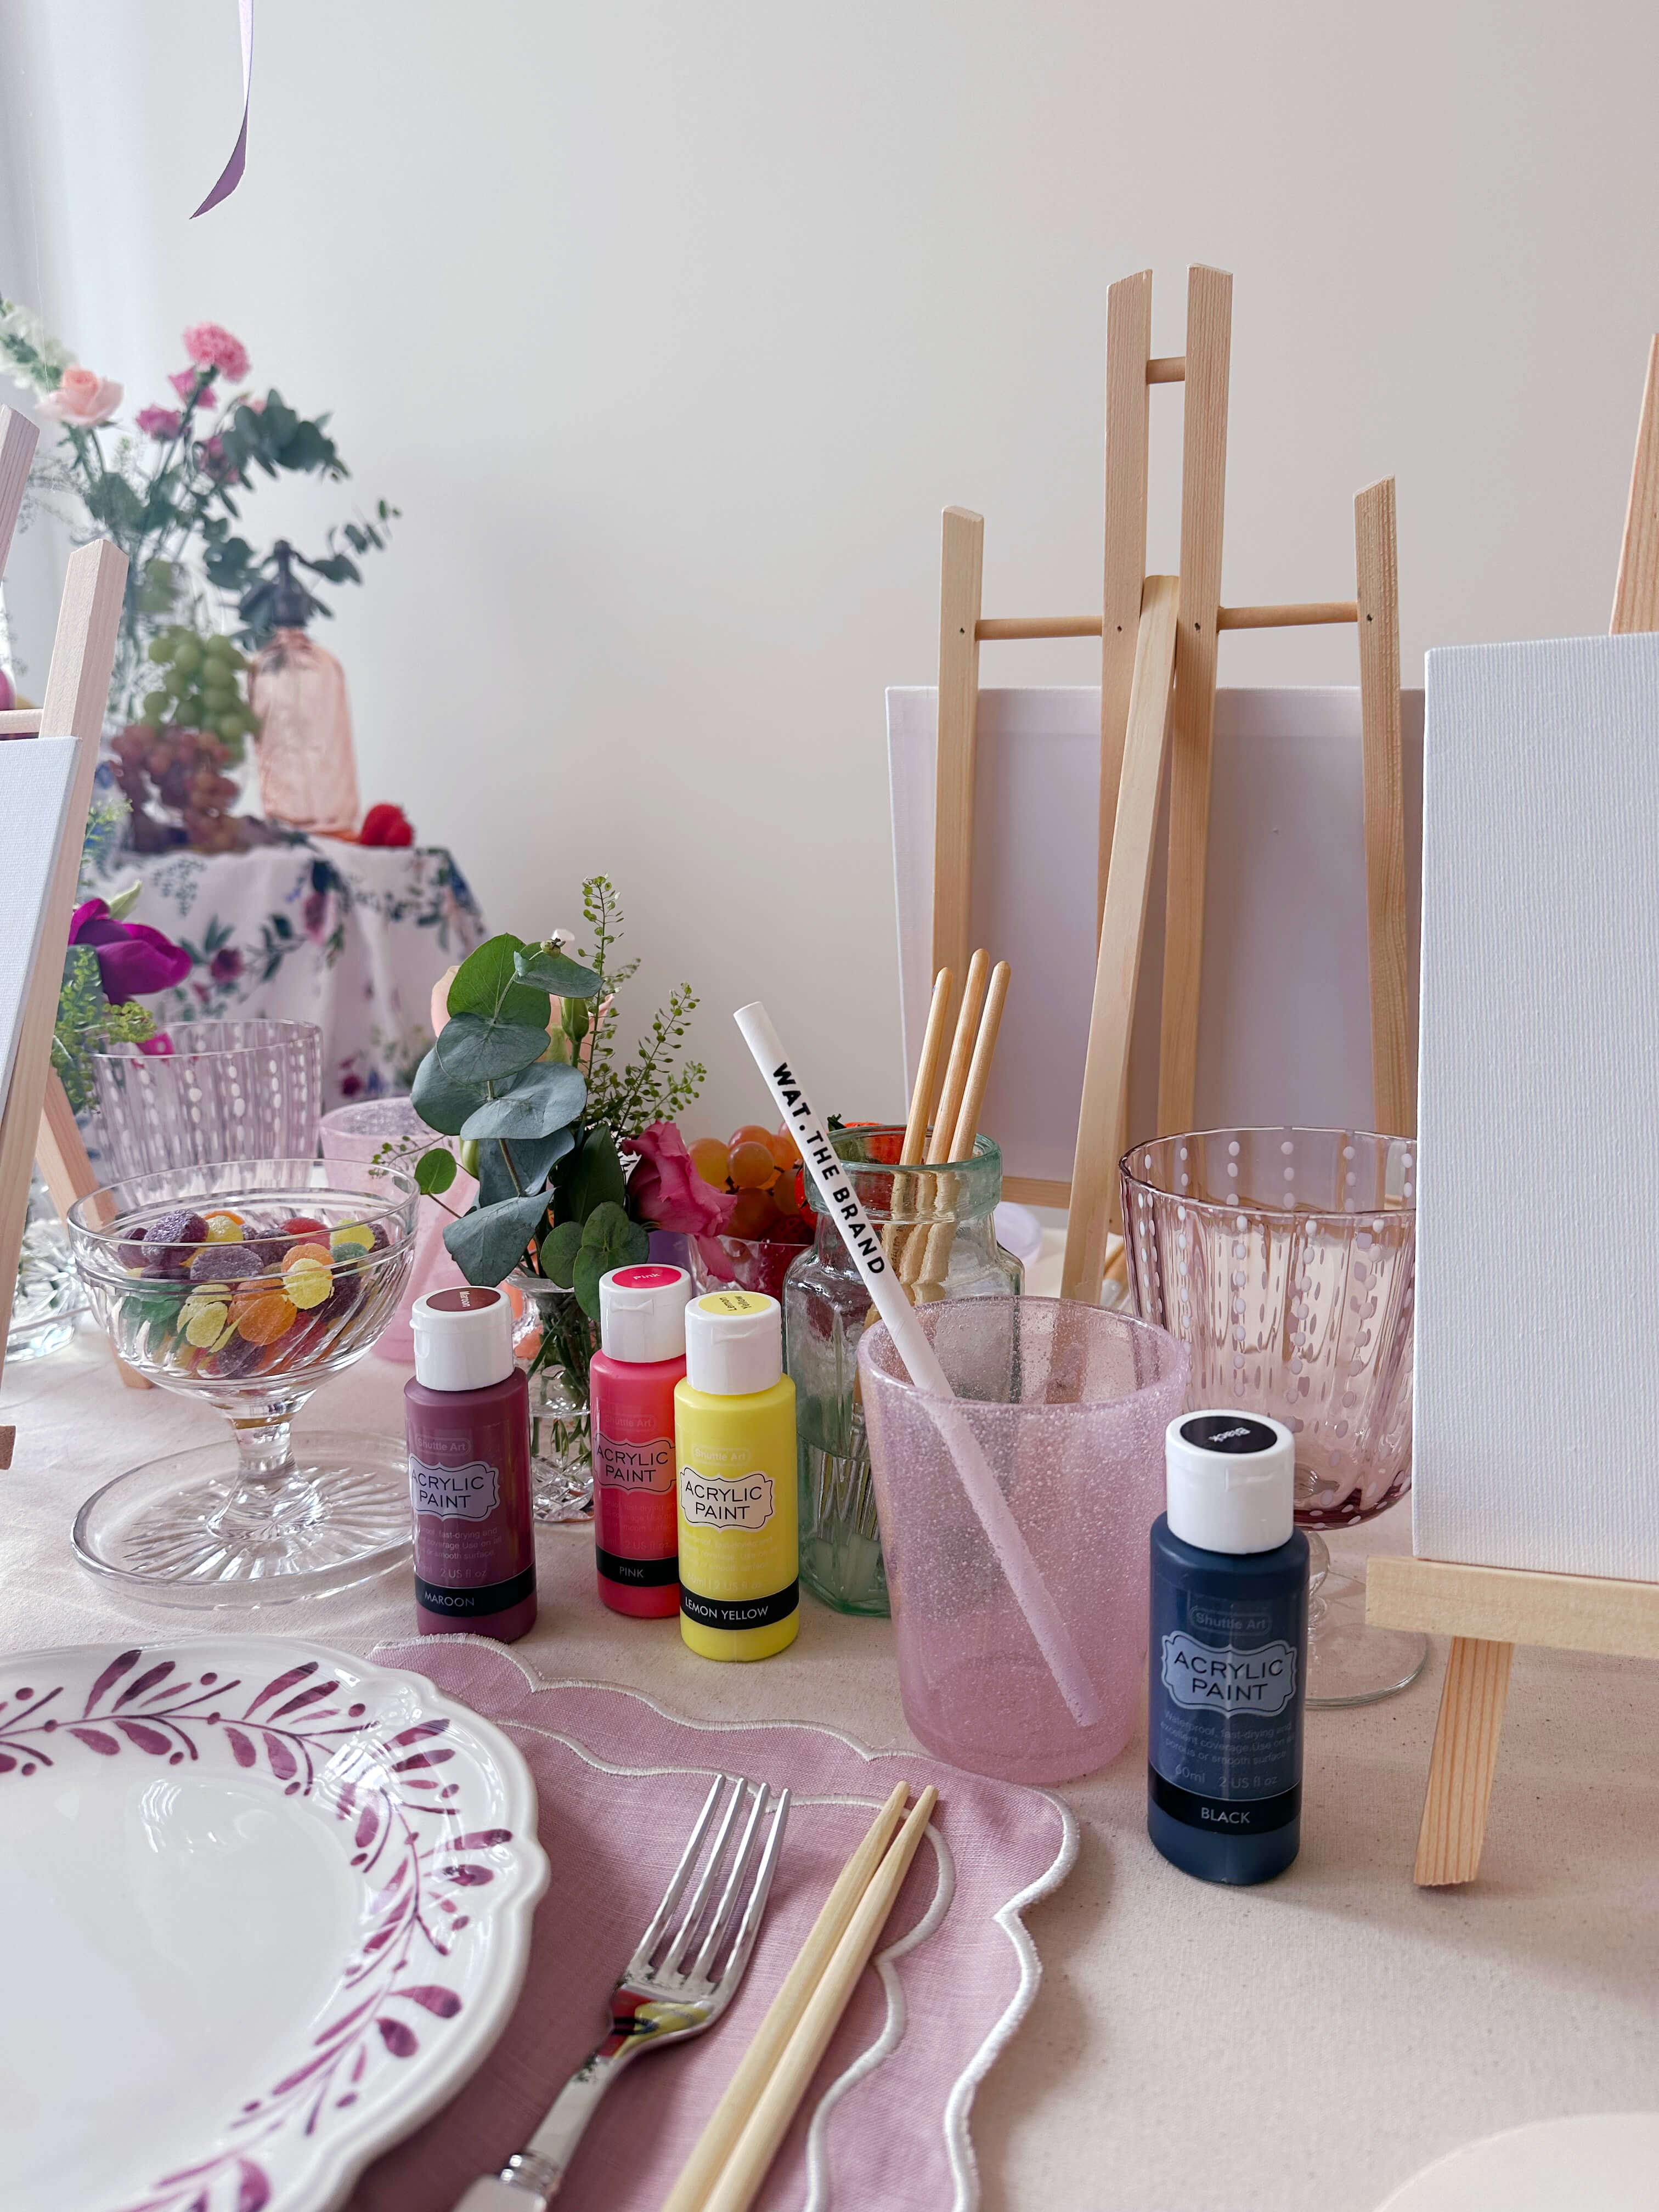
(1538, 1235)
(36, 781)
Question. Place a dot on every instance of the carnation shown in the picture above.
(211, 346)
(160, 422)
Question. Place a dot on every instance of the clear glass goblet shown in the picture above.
(247, 1285)
(1286, 1260)
(230, 1090)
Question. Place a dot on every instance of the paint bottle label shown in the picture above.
(1224, 1719)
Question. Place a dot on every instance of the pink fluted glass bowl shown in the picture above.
(247, 1285)
(1068, 1403)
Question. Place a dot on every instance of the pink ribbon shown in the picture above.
(231, 175)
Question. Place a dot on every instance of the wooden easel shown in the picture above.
(36, 1113)
(1159, 645)
(1168, 692)
(1487, 1611)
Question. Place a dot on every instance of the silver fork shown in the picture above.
(658, 1998)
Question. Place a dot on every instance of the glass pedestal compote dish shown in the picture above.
(247, 1285)
(1286, 1260)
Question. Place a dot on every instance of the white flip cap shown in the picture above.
(1231, 1480)
(733, 1343)
(463, 1338)
(642, 1313)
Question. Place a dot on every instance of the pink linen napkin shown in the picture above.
(620, 1782)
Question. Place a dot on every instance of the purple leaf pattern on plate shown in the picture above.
(383, 1783)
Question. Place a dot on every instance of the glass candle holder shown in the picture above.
(1286, 1260)
(937, 1227)
(227, 1090)
(1068, 1404)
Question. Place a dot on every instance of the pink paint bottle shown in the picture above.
(467, 1413)
(630, 1387)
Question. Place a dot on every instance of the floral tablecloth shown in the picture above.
(351, 937)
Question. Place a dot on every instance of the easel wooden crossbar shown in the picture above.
(78, 688)
(1487, 1611)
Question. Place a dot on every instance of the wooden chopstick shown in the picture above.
(726, 2123)
(921, 1107)
(930, 1254)
(774, 2107)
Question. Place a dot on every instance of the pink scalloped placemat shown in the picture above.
(886, 2121)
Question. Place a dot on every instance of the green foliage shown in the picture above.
(87, 1021)
(435, 1171)
(541, 1115)
(575, 1255)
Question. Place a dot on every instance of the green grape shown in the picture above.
(226, 726)
(160, 649)
(218, 697)
(187, 656)
(155, 705)
(220, 648)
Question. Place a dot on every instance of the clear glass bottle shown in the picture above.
(553, 1343)
(937, 1223)
(307, 763)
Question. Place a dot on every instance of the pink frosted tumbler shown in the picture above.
(356, 1136)
(1069, 1404)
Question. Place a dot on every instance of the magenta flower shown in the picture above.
(131, 955)
(189, 387)
(666, 1190)
(211, 346)
(160, 422)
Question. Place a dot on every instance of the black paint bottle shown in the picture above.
(1229, 1651)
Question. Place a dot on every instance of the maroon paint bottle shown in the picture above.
(467, 1413)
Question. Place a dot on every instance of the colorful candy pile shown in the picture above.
(224, 1295)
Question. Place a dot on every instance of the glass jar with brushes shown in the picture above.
(937, 1229)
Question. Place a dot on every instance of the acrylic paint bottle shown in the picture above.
(1229, 1651)
(734, 1441)
(467, 1413)
(631, 1390)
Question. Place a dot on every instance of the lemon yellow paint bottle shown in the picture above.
(734, 1440)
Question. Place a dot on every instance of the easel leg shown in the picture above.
(1465, 1760)
(62, 1159)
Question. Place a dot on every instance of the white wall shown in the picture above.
(672, 328)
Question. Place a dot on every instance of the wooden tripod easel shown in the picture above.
(1487, 1611)
(36, 1114)
(1158, 648)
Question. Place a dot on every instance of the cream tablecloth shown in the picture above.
(1303, 2047)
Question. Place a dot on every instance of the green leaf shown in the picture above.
(584, 1281)
(531, 1158)
(595, 1177)
(552, 971)
(489, 1244)
(485, 985)
(435, 1170)
(610, 1240)
(443, 1101)
(559, 1249)
(545, 1098)
(474, 1049)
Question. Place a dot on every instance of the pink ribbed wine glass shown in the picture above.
(1286, 1260)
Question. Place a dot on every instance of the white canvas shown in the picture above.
(1285, 1018)
(1538, 1226)
(35, 777)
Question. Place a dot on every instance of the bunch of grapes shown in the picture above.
(763, 1167)
(184, 771)
(200, 689)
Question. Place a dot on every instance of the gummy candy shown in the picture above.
(352, 1236)
(224, 1228)
(305, 1279)
(224, 1263)
(262, 1315)
(205, 1318)
(319, 1253)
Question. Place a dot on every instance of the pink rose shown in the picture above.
(83, 398)
(666, 1190)
(211, 346)
(160, 422)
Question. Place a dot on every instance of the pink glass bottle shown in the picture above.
(306, 764)
(467, 1415)
(630, 1386)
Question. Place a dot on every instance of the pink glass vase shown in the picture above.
(307, 765)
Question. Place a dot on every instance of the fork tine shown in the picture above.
(723, 1913)
(671, 1958)
(670, 1896)
(749, 1927)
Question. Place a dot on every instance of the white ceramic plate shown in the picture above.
(266, 1907)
